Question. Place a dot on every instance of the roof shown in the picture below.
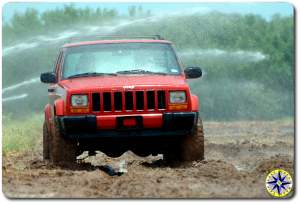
(114, 41)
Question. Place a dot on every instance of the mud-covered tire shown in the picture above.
(189, 148)
(46, 145)
(62, 151)
(192, 146)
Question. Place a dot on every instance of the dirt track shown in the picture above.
(238, 157)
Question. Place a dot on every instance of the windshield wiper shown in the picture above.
(87, 74)
(139, 71)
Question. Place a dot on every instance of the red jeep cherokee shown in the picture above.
(119, 95)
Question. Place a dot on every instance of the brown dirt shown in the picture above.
(238, 157)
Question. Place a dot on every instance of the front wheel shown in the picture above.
(63, 151)
(189, 148)
(192, 146)
(46, 154)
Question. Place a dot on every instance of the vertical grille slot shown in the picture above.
(150, 99)
(161, 99)
(106, 101)
(118, 101)
(128, 100)
(139, 100)
(96, 101)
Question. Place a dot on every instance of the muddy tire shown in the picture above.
(62, 151)
(46, 145)
(189, 148)
(192, 146)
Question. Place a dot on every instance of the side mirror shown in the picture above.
(48, 77)
(193, 72)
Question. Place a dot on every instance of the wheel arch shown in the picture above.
(195, 103)
(47, 112)
(59, 107)
(56, 110)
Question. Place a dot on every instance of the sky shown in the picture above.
(266, 10)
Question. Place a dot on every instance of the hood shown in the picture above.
(86, 83)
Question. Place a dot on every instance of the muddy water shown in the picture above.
(238, 157)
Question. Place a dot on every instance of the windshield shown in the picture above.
(121, 58)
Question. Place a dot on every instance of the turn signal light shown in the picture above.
(178, 106)
(79, 110)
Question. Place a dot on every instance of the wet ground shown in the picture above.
(238, 157)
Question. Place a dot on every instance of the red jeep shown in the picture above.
(115, 95)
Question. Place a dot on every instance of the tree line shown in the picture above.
(23, 25)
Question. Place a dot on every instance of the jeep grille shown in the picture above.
(128, 101)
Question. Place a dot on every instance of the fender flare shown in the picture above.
(59, 107)
(195, 103)
(47, 111)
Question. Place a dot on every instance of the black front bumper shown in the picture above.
(85, 127)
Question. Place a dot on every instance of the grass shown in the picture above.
(19, 135)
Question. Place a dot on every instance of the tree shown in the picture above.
(132, 11)
(26, 23)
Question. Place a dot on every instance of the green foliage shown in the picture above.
(30, 23)
(240, 100)
(233, 32)
(21, 135)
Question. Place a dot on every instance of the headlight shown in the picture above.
(79, 100)
(177, 97)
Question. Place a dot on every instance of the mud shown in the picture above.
(238, 157)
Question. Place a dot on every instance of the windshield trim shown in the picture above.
(180, 68)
